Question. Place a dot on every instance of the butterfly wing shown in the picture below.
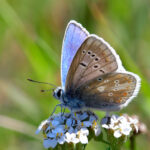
(95, 57)
(109, 92)
(74, 36)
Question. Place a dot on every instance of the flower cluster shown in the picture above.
(120, 125)
(69, 127)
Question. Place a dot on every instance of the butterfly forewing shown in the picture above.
(108, 91)
(74, 36)
(94, 58)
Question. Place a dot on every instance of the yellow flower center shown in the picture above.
(45, 127)
(57, 135)
(51, 124)
(44, 135)
(75, 114)
(78, 134)
(82, 124)
(120, 129)
(94, 123)
(66, 127)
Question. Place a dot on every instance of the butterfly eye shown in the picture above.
(59, 93)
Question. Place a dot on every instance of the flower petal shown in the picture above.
(49, 143)
(83, 139)
(117, 134)
(41, 126)
(97, 130)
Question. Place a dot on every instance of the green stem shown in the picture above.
(105, 142)
(80, 146)
(108, 148)
(132, 143)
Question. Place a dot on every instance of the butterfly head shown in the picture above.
(58, 93)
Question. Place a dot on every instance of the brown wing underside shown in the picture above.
(111, 89)
(94, 58)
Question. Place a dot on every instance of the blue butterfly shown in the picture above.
(92, 74)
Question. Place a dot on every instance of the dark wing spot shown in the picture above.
(83, 51)
(89, 52)
(102, 71)
(95, 66)
(99, 79)
(83, 64)
(93, 55)
(96, 59)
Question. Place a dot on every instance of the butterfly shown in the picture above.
(92, 75)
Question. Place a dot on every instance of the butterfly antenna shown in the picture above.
(47, 90)
(41, 82)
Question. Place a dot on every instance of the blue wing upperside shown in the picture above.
(74, 36)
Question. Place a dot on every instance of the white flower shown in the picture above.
(82, 135)
(97, 130)
(105, 126)
(71, 137)
(134, 122)
(120, 125)
(114, 121)
(43, 123)
(124, 129)
(117, 134)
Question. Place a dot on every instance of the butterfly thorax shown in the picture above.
(67, 100)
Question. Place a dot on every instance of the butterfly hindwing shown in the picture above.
(108, 92)
(74, 36)
(94, 58)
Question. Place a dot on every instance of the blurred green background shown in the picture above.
(31, 34)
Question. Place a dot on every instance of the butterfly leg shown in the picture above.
(55, 108)
(107, 114)
(62, 110)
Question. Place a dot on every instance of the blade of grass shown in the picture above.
(18, 126)
(35, 54)
(26, 104)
